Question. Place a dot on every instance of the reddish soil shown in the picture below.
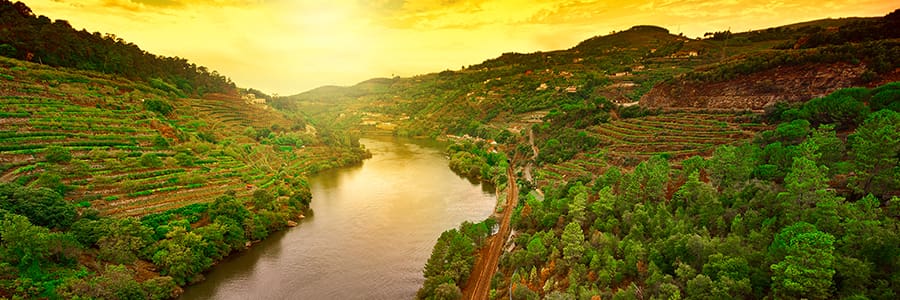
(479, 283)
(757, 90)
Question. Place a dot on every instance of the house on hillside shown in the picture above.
(572, 89)
(251, 99)
(684, 54)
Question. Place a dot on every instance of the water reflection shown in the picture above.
(374, 228)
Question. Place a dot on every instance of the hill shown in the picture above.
(731, 71)
(648, 165)
(117, 185)
(29, 37)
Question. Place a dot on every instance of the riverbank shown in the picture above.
(372, 229)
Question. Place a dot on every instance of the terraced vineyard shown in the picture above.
(124, 159)
(677, 135)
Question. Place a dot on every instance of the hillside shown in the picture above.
(644, 64)
(653, 166)
(29, 37)
(124, 175)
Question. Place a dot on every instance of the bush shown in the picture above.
(886, 99)
(57, 154)
(184, 159)
(843, 108)
(41, 206)
(158, 106)
(150, 160)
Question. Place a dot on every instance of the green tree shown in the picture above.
(700, 199)
(573, 242)
(579, 200)
(42, 206)
(807, 267)
(181, 255)
(875, 149)
(840, 108)
(806, 183)
(230, 207)
(652, 176)
(123, 239)
(7, 50)
(23, 244)
(263, 199)
(731, 166)
(447, 291)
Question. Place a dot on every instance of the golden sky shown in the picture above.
(289, 46)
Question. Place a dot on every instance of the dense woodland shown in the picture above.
(25, 36)
(808, 209)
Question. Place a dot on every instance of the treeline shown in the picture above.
(880, 57)
(471, 160)
(25, 36)
(46, 245)
(804, 211)
(887, 27)
(452, 260)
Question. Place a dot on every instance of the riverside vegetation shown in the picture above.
(127, 179)
(750, 165)
(654, 166)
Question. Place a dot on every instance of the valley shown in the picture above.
(640, 164)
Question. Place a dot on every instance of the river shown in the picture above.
(372, 230)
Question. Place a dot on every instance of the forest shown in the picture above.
(808, 209)
(25, 36)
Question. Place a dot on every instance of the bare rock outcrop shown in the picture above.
(757, 90)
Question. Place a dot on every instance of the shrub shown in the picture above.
(886, 99)
(150, 160)
(158, 106)
(184, 159)
(843, 108)
(57, 154)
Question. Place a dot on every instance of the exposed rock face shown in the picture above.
(757, 90)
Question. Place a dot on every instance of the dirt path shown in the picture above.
(479, 283)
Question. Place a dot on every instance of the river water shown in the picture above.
(373, 228)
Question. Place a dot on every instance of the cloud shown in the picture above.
(287, 46)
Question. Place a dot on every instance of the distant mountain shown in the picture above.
(622, 67)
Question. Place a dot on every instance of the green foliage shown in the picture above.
(730, 166)
(181, 255)
(57, 154)
(185, 159)
(122, 240)
(886, 97)
(843, 108)
(97, 52)
(165, 86)
(151, 160)
(807, 267)
(450, 263)
(42, 206)
(875, 147)
(573, 243)
(159, 106)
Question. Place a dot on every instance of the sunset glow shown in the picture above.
(287, 47)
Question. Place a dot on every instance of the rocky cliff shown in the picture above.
(757, 90)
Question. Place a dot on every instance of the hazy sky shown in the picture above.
(286, 47)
